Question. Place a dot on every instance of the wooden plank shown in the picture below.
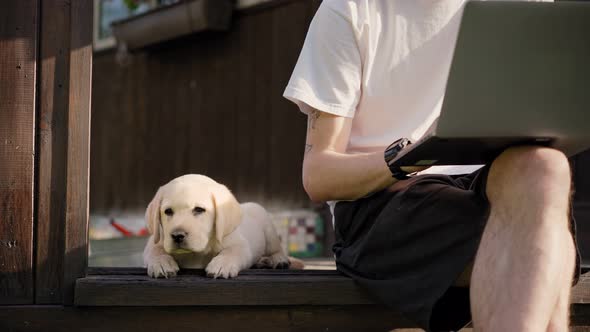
(52, 145)
(243, 138)
(253, 287)
(209, 319)
(138, 290)
(80, 73)
(259, 52)
(18, 55)
(214, 319)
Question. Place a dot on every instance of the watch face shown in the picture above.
(403, 143)
(394, 148)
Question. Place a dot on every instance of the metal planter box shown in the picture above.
(173, 21)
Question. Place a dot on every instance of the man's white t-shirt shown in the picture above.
(383, 63)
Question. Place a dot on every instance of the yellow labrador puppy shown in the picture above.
(196, 222)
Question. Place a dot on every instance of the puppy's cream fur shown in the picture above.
(221, 235)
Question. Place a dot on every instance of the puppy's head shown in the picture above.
(191, 213)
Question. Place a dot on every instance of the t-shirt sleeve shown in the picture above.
(327, 75)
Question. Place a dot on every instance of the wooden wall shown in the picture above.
(209, 104)
(45, 68)
(581, 169)
(18, 70)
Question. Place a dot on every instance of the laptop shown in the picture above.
(520, 75)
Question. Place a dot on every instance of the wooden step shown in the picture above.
(132, 287)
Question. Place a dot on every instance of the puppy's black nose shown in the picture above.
(178, 237)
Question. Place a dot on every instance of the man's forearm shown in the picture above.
(329, 175)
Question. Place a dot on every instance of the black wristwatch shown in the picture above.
(391, 152)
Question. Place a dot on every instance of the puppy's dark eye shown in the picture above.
(169, 212)
(198, 210)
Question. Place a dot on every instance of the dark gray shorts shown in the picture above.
(408, 247)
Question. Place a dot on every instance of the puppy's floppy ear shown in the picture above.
(152, 215)
(228, 213)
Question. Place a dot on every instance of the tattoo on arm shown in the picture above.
(311, 118)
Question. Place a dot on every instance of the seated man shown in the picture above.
(373, 71)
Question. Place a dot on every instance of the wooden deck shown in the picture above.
(257, 300)
(132, 287)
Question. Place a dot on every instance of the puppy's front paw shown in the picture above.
(279, 261)
(275, 261)
(223, 267)
(162, 266)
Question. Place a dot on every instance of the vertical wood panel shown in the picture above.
(18, 52)
(582, 176)
(52, 143)
(80, 74)
(259, 127)
(582, 203)
(244, 91)
(287, 133)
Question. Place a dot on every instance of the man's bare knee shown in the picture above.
(528, 170)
